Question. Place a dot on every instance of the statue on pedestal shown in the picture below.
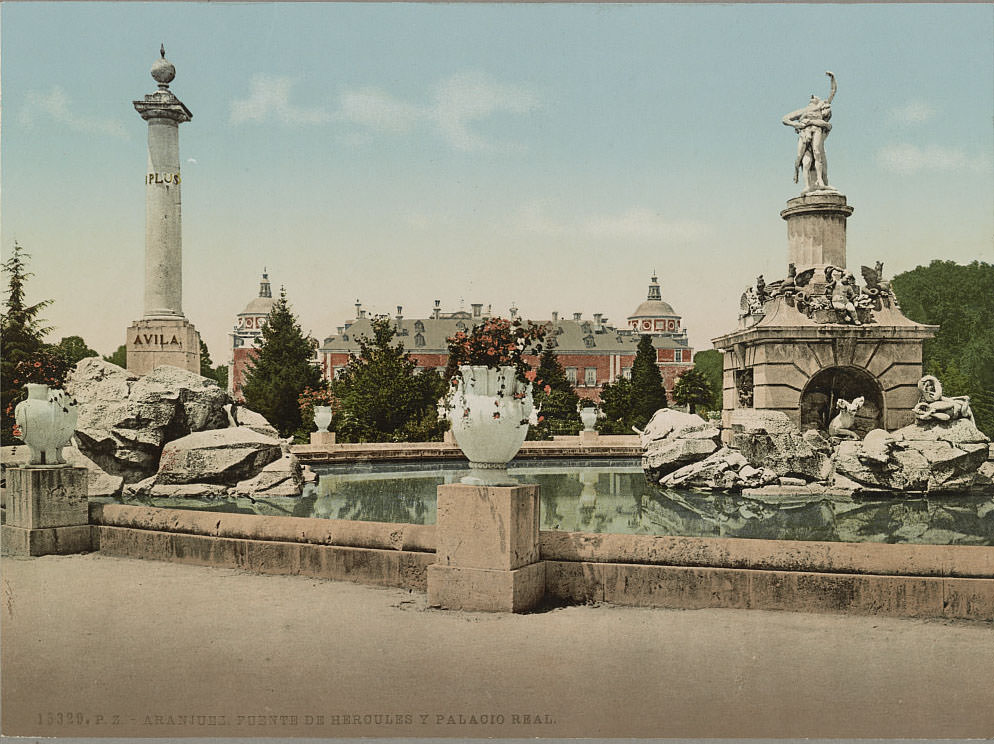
(812, 127)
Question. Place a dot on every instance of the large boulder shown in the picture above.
(769, 439)
(124, 420)
(283, 477)
(672, 440)
(943, 456)
(222, 456)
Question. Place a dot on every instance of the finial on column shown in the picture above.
(162, 50)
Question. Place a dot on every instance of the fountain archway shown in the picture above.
(834, 383)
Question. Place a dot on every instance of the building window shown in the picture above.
(678, 355)
(590, 377)
(589, 342)
(419, 326)
(571, 375)
(461, 326)
(419, 340)
(626, 372)
(337, 371)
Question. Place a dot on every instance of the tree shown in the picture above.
(559, 405)
(711, 364)
(959, 299)
(629, 403)
(382, 396)
(219, 374)
(281, 370)
(616, 404)
(119, 357)
(648, 393)
(693, 389)
(22, 332)
(73, 349)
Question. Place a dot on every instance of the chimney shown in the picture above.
(514, 311)
(477, 309)
(358, 312)
(400, 313)
(597, 321)
(555, 316)
(362, 313)
(577, 316)
(341, 330)
(438, 309)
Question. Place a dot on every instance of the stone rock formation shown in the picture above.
(942, 456)
(124, 421)
(769, 439)
(673, 439)
(220, 456)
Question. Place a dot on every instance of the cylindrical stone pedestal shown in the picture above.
(486, 549)
(47, 511)
(816, 231)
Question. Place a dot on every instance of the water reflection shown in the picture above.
(613, 497)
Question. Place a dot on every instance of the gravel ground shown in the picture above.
(108, 647)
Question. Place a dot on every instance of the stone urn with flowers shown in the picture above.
(490, 404)
(46, 419)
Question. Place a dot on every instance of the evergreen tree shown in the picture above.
(119, 357)
(219, 374)
(648, 393)
(382, 396)
(616, 405)
(693, 389)
(281, 370)
(73, 349)
(21, 331)
(559, 405)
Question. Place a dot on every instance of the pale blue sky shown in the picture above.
(547, 155)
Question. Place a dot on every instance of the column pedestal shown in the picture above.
(816, 231)
(486, 549)
(153, 342)
(47, 511)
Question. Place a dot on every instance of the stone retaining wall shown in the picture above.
(951, 581)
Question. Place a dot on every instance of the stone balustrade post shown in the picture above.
(487, 552)
(47, 511)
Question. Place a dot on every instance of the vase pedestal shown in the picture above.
(486, 552)
(47, 511)
(589, 437)
(322, 438)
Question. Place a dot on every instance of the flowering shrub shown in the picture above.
(494, 343)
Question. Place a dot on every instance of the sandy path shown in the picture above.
(151, 643)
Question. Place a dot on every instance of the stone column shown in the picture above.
(163, 335)
(486, 549)
(816, 231)
(47, 511)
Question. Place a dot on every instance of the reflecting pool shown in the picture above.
(612, 496)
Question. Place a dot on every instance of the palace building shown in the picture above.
(591, 350)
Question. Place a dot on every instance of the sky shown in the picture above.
(550, 156)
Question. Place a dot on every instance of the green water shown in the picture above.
(615, 498)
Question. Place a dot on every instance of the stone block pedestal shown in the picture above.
(47, 511)
(588, 437)
(153, 342)
(486, 553)
(322, 438)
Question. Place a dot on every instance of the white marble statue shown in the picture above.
(812, 127)
(841, 425)
(936, 407)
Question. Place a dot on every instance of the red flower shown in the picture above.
(548, 389)
(530, 375)
(16, 431)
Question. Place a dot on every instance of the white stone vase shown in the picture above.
(489, 411)
(47, 420)
(322, 417)
(589, 417)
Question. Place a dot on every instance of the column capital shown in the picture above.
(163, 105)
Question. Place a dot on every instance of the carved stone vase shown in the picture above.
(47, 420)
(489, 410)
(588, 416)
(322, 417)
